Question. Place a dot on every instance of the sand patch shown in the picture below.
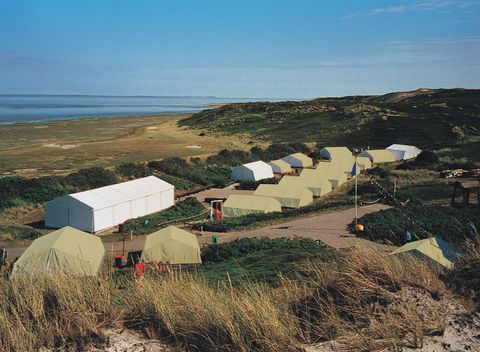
(194, 146)
(61, 146)
(152, 128)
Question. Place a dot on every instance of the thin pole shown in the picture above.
(356, 184)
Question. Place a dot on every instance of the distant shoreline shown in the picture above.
(93, 118)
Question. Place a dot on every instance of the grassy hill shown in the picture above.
(429, 118)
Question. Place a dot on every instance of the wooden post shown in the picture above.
(452, 202)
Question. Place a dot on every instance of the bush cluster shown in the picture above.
(16, 190)
(252, 185)
(243, 246)
(148, 224)
(451, 224)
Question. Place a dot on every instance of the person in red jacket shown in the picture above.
(139, 270)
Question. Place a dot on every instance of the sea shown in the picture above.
(18, 108)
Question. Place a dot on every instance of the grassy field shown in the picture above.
(63, 146)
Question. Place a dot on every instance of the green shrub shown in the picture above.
(260, 259)
(93, 177)
(133, 170)
(252, 185)
(451, 224)
(147, 224)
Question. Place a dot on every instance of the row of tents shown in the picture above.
(299, 191)
(259, 170)
(72, 251)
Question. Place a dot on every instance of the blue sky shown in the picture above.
(269, 49)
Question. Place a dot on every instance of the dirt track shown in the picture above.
(329, 228)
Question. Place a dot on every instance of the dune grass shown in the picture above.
(360, 299)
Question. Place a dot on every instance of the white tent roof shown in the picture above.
(402, 151)
(260, 170)
(107, 196)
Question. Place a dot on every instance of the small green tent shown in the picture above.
(434, 249)
(243, 204)
(67, 250)
(172, 245)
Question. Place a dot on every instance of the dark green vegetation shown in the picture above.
(428, 118)
(19, 190)
(451, 224)
(252, 185)
(260, 259)
(259, 220)
(187, 208)
(215, 170)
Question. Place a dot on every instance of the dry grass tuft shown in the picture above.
(364, 301)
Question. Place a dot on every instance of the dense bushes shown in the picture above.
(147, 224)
(252, 185)
(133, 170)
(243, 246)
(15, 190)
(197, 173)
(451, 224)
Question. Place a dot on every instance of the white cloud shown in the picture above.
(419, 6)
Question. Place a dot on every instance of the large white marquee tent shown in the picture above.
(404, 152)
(105, 207)
(257, 170)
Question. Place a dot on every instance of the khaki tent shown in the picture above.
(172, 245)
(379, 156)
(364, 163)
(298, 160)
(67, 250)
(333, 172)
(345, 164)
(238, 205)
(292, 196)
(280, 166)
(309, 178)
(434, 249)
(334, 153)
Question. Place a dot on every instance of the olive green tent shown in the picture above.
(237, 205)
(364, 163)
(172, 245)
(433, 248)
(280, 166)
(291, 196)
(333, 172)
(334, 153)
(345, 164)
(67, 250)
(317, 183)
(379, 156)
(298, 160)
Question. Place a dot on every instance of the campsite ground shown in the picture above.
(60, 147)
(330, 228)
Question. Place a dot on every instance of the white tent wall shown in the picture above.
(109, 206)
(404, 152)
(102, 219)
(254, 171)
